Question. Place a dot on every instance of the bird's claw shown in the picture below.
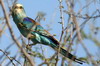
(29, 46)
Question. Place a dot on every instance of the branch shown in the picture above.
(12, 35)
(80, 39)
(62, 32)
(78, 31)
(6, 54)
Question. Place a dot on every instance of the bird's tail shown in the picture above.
(70, 56)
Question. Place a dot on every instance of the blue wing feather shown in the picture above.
(27, 19)
(30, 23)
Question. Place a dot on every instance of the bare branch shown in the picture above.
(11, 60)
(62, 22)
(12, 35)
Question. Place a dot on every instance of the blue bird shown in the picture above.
(36, 33)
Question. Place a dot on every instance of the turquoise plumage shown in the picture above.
(35, 32)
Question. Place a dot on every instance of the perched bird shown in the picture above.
(35, 32)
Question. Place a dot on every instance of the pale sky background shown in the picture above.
(51, 8)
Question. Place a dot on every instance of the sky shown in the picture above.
(51, 8)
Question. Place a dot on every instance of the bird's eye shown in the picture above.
(21, 7)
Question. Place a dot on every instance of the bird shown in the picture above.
(32, 30)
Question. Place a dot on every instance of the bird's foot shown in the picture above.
(29, 46)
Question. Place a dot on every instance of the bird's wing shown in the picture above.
(36, 27)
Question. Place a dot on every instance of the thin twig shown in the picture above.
(83, 24)
(62, 32)
(83, 17)
(11, 60)
(78, 30)
(80, 39)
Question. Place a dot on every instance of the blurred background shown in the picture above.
(56, 16)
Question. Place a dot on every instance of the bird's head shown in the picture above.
(17, 8)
